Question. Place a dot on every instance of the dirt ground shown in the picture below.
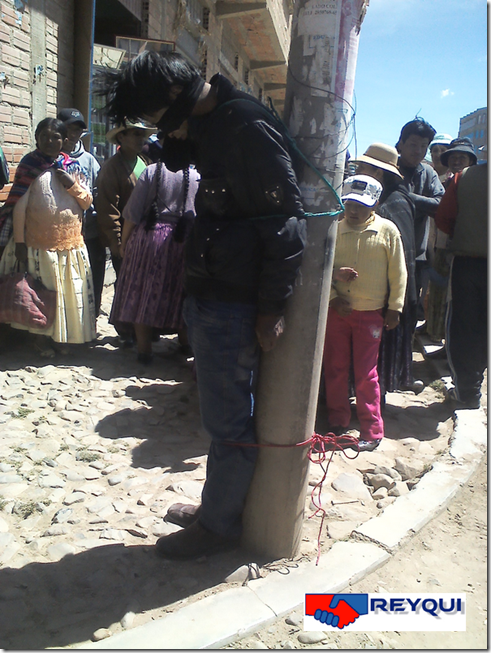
(448, 555)
(62, 602)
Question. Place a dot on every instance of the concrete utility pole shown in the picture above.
(322, 65)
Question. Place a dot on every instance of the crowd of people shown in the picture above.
(178, 212)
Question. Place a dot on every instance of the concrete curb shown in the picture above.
(220, 619)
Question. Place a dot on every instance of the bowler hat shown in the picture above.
(463, 145)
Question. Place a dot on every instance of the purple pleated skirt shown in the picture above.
(150, 286)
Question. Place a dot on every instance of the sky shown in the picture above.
(419, 57)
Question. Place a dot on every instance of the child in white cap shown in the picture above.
(360, 308)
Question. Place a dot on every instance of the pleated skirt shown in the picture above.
(150, 286)
(68, 273)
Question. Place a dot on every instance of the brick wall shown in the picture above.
(40, 35)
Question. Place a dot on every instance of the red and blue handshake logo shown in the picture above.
(389, 612)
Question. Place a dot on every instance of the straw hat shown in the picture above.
(112, 133)
(382, 156)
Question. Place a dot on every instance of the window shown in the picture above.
(206, 18)
(204, 63)
(246, 76)
(236, 62)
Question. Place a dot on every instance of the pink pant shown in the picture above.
(361, 330)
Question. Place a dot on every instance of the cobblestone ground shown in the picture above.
(94, 447)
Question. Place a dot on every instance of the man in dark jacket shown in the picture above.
(425, 190)
(242, 259)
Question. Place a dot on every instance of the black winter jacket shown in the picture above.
(247, 240)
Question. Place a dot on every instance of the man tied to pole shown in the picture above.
(242, 258)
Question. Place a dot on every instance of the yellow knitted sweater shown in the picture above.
(375, 251)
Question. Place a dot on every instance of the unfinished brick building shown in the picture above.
(50, 48)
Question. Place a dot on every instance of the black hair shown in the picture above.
(152, 216)
(54, 123)
(417, 127)
(143, 85)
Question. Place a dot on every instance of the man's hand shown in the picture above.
(21, 252)
(341, 306)
(181, 133)
(268, 329)
(345, 274)
(65, 178)
(391, 319)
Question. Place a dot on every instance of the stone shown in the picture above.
(119, 505)
(257, 644)
(137, 532)
(399, 489)
(10, 491)
(4, 527)
(131, 483)
(60, 550)
(191, 489)
(99, 504)
(10, 478)
(145, 522)
(36, 455)
(409, 469)
(113, 534)
(74, 476)
(163, 528)
(388, 471)
(380, 480)
(115, 480)
(62, 516)
(311, 637)
(145, 500)
(57, 529)
(75, 497)
(244, 573)
(91, 474)
(51, 480)
(92, 488)
(294, 620)
(101, 633)
(381, 493)
(98, 464)
(127, 620)
(288, 645)
(352, 485)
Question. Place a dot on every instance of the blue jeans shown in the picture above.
(226, 352)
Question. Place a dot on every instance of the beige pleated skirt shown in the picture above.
(68, 272)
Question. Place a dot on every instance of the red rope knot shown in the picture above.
(320, 446)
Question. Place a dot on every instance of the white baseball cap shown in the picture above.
(362, 189)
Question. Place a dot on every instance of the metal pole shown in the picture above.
(318, 109)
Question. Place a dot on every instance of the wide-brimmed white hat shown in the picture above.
(112, 133)
(362, 189)
(382, 156)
